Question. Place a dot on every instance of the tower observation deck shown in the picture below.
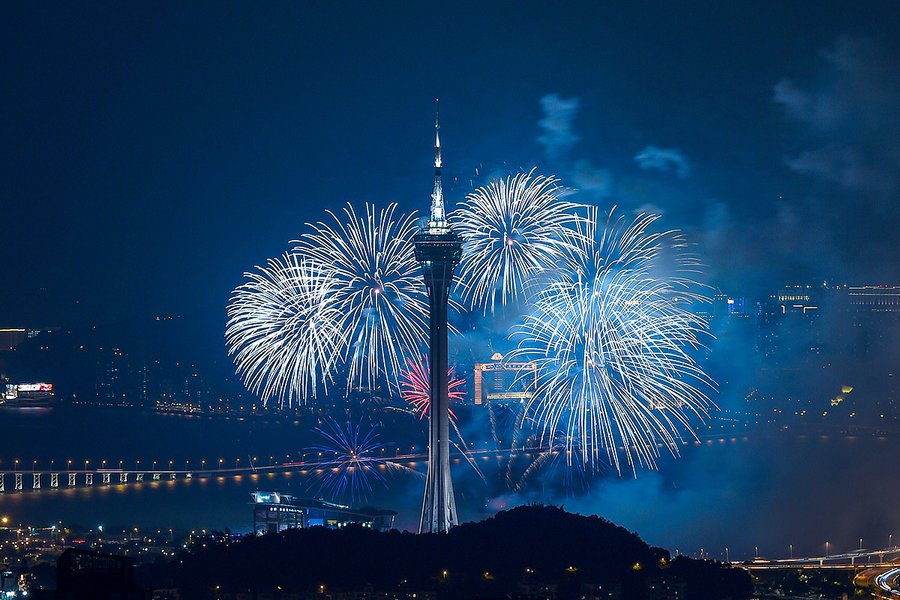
(438, 249)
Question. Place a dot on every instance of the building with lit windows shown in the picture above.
(27, 394)
(275, 511)
(501, 382)
(11, 337)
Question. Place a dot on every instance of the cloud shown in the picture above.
(558, 137)
(589, 178)
(664, 159)
(842, 165)
(819, 110)
(851, 114)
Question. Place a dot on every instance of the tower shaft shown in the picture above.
(438, 249)
(439, 505)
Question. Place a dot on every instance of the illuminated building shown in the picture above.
(97, 575)
(27, 394)
(274, 512)
(720, 305)
(501, 382)
(736, 306)
(797, 299)
(10, 338)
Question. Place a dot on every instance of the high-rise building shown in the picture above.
(503, 382)
(11, 337)
(438, 249)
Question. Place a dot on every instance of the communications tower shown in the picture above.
(438, 249)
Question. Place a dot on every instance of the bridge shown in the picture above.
(36, 480)
(878, 570)
(886, 557)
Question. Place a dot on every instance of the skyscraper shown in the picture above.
(438, 249)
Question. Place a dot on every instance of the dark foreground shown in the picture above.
(526, 552)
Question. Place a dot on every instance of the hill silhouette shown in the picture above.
(527, 551)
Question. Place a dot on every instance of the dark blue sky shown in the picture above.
(153, 152)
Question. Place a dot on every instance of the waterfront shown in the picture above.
(766, 489)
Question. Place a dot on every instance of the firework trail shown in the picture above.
(561, 462)
(611, 343)
(353, 468)
(282, 328)
(381, 299)
(415, 387)
(513, 229)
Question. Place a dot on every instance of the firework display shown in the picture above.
(382, 304)
(352, 468)
(611, 343)
(514, 229)
(282, 329)
(605, 321)
(416, 391)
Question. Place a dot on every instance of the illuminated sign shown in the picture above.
(266, 497)
(35, 387)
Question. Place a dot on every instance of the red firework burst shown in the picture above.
(415, 388)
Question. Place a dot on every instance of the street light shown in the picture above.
(221, 460)
(826, 549)
(792, 551)
(16, 465)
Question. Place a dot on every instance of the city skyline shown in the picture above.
(677, 299)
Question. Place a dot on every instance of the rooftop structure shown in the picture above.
(274, 511)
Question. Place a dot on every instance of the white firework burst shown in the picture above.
(612, 343)
(283, 326)
(513, 230)
(377, 287)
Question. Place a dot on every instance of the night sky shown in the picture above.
(153, 152)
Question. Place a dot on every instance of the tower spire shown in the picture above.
(438, 221)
